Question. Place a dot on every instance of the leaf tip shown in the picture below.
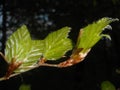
(108, 20)
(23, 26)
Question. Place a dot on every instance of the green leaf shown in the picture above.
(91, 34)
(105, 35)
(33, 55)
(20, 46)
(107, 85)
(57, 44)
(25, 87)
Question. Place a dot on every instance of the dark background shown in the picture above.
(45, 16)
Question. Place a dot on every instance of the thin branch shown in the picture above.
(74, 59)
(33, 67)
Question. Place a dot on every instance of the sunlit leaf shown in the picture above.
(33, 55)
(20, 46)
(57, 44)
(92, 33)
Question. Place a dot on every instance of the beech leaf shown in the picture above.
(92, 33)
(57, 44)
(20, 46)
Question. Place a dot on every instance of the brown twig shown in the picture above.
(75, 58)
(12, 66)
(15, 74)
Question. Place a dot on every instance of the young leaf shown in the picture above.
(20, 46)
(87, 38)
(32, 56)
(57, 44)
(107, 85)
(92, 33)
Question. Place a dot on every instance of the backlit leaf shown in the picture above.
(92, 33)
(57, 44)
(33, 55)
(20, 46)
